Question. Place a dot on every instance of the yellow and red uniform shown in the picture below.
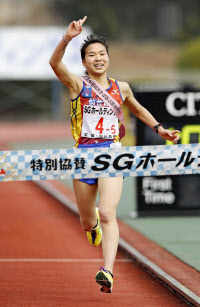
(91, 120)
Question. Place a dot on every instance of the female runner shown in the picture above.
(91, 130)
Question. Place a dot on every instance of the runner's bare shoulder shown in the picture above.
(124, 88)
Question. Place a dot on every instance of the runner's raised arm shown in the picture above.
(70, 80)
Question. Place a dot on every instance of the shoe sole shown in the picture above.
(105, 289)
(102, 280)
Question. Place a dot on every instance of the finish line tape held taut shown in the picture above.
(161, 160)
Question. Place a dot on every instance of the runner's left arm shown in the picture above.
(144, 115)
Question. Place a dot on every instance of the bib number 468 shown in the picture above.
(99, 127)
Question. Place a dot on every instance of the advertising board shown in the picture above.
(178, 108)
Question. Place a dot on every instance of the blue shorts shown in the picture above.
(104, 144)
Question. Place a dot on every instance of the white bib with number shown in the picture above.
(99, 122)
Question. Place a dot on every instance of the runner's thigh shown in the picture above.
(85, 197)
(110, 190)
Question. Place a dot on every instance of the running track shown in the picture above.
(46, 260)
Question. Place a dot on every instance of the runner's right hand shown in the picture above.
(74, 29)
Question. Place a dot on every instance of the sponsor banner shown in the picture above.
(26, 165)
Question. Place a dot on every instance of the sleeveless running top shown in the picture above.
(92, 121)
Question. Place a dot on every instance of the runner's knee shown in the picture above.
(106, 216)
(86, 224)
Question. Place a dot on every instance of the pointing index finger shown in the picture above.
(83, 20)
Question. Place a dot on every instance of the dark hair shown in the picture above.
(91, 39)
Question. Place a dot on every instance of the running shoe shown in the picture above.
(95, 235)
(105, 279)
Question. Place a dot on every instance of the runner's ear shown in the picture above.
(83, 62)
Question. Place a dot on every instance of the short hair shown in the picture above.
(91, 39)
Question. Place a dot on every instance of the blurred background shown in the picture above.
(152, 42)
(155, 47)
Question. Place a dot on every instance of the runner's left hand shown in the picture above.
(169, 135)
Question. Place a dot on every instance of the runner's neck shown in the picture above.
(102, 80)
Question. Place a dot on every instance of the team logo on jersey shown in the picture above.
(87, 91)
(115, 92)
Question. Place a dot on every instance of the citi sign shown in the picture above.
(189, 104)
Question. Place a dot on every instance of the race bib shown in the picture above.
(99, 122)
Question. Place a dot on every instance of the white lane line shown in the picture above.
(58, 260)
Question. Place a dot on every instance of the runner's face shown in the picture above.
(96, 59)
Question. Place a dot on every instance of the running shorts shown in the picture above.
(104, 144)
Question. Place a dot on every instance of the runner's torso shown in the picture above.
(91, 120)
